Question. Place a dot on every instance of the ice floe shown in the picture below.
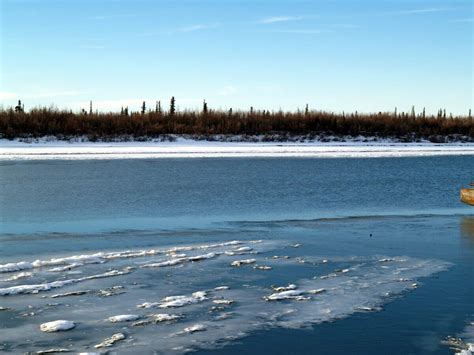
(210, 289)
(73, 261)
(262, 267)
(18, 276)
(181, 260)
(68, 294)
(238, 263)
(53, 351)
(22, 289)
(221, 288)
(223, 301)
(464, 344)
(57, 326)
(195, 328)
(110, 341)
(165, 317)
(123, 318)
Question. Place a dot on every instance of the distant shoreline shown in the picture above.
(49, 148)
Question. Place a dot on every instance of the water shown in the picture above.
(348, 214)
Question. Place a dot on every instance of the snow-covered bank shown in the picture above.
(44, 149)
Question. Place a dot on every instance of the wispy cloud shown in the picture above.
(462, 20)
(108, 17)
(301, 31)
(276, 19)
(423, 11)
(187, 29)
(197, 27)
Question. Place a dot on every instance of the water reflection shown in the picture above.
(467, 227)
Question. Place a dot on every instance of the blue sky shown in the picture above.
(367, 55)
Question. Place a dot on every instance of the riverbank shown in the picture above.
(179, 147)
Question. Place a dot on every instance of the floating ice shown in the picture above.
(21, 289)
(182, 260)
(243, 262)
(239, 251)
(18, 276)
(111, 291)
(262, 267)
(68, 294)
(53, 351)
(176, 301)
(223, 301)
(123, 318)
(102, 257)
(66, 267)
(165, 317)
(57, 326)
(195, 328)
(367, 287)
(221, 288)
(284, 288)
(286, 295)
(110, 341)
(463, 345)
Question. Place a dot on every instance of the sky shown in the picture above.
(334, 55)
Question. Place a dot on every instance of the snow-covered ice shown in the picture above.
(123, 318)
(182, 148)
(57, 326)
(203, 293)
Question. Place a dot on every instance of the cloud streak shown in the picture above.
(462, 20)
(423, 11)
(277, 19)
(198, 27)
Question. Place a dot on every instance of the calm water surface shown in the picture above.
(350, 211)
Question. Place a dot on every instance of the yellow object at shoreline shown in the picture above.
(467, 196)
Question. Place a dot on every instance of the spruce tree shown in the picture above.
(172, 106)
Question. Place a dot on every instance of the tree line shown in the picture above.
(16, 122)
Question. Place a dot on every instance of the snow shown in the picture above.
(18, 276)
(221, 288)
(285, 295)
(165, 317)
(57, 326)
(182, 260)
(123, 318)
(285, 288)
(238, 263)
(182, 148)
(263, 267)
(74, 261)
(362, 289)
(110, 341)
(223, 301)
(23, 289)
(195, 328)
(176, 301)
